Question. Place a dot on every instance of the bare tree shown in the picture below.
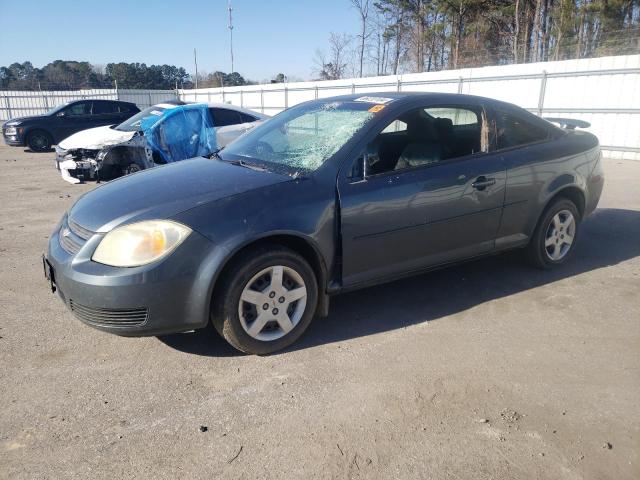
(332, 66)
(362, 6)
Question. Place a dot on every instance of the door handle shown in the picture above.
(483, 182)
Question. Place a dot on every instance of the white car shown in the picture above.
(160, 134)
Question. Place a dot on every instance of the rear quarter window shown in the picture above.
(125, 108)
(222, 117)
(514, 131)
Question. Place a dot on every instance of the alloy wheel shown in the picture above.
(272, 303)
(39, 141)
(560, 235)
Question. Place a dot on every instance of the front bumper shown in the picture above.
(75, 170)
(169, 296)
(14, 140)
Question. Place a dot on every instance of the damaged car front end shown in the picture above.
(79, 164)
(158, 135)
(111, 151)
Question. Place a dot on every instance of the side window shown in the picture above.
(222, 117)
(512, 131)
(427, 136)
(77, 109)
(104, 107)
(458, 116)
(126, 108)
(395, 126)
(247, 118)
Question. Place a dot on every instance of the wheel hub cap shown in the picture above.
(559, 235)
(272, 303)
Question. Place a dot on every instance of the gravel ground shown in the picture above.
(486, 370)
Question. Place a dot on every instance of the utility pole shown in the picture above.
(231, 35)
(195, 60)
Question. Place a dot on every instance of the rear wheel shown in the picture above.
(39, 141)
(266, 300)
(555, 236)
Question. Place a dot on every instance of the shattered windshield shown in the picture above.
(302, 138)
(133, 124)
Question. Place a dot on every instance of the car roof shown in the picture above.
(435, 97)
(229, 106)
(429, 96)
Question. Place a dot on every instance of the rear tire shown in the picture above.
(265, 300)
(39, 141)
(554, 239)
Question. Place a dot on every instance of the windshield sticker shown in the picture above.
(376, 108)
(382, 100)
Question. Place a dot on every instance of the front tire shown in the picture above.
(266, 300)
(554, 239)
(39, 141)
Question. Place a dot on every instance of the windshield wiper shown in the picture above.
(252, 166)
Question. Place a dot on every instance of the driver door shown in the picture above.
(74, 118)
(425, 197)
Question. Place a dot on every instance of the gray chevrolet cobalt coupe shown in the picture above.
(328, 196)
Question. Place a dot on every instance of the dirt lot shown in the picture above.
(487, 370)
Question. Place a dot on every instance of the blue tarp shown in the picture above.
(180, 133)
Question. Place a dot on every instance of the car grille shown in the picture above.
(80, 231)
(73, 236)
(110, 317)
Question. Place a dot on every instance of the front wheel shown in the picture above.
(554, 239)
(266, 300)
(39, 141)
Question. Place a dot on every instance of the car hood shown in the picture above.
(163, 192)
(27, 119)
(96, 138)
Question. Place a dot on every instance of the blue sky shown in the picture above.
(269, 36)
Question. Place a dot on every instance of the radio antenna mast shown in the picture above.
(231, 34)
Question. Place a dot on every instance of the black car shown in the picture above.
(40, 132)
(328, 196)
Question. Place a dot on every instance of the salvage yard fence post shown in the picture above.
(8, 107)
(543, 88)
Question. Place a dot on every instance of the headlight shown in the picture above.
(11, 131)
(13, 123)
(140, 243)
(101, 154)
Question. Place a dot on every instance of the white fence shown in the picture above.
(23, 103)
(603, 91)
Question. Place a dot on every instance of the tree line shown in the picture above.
(397, 36)
(74, 75)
